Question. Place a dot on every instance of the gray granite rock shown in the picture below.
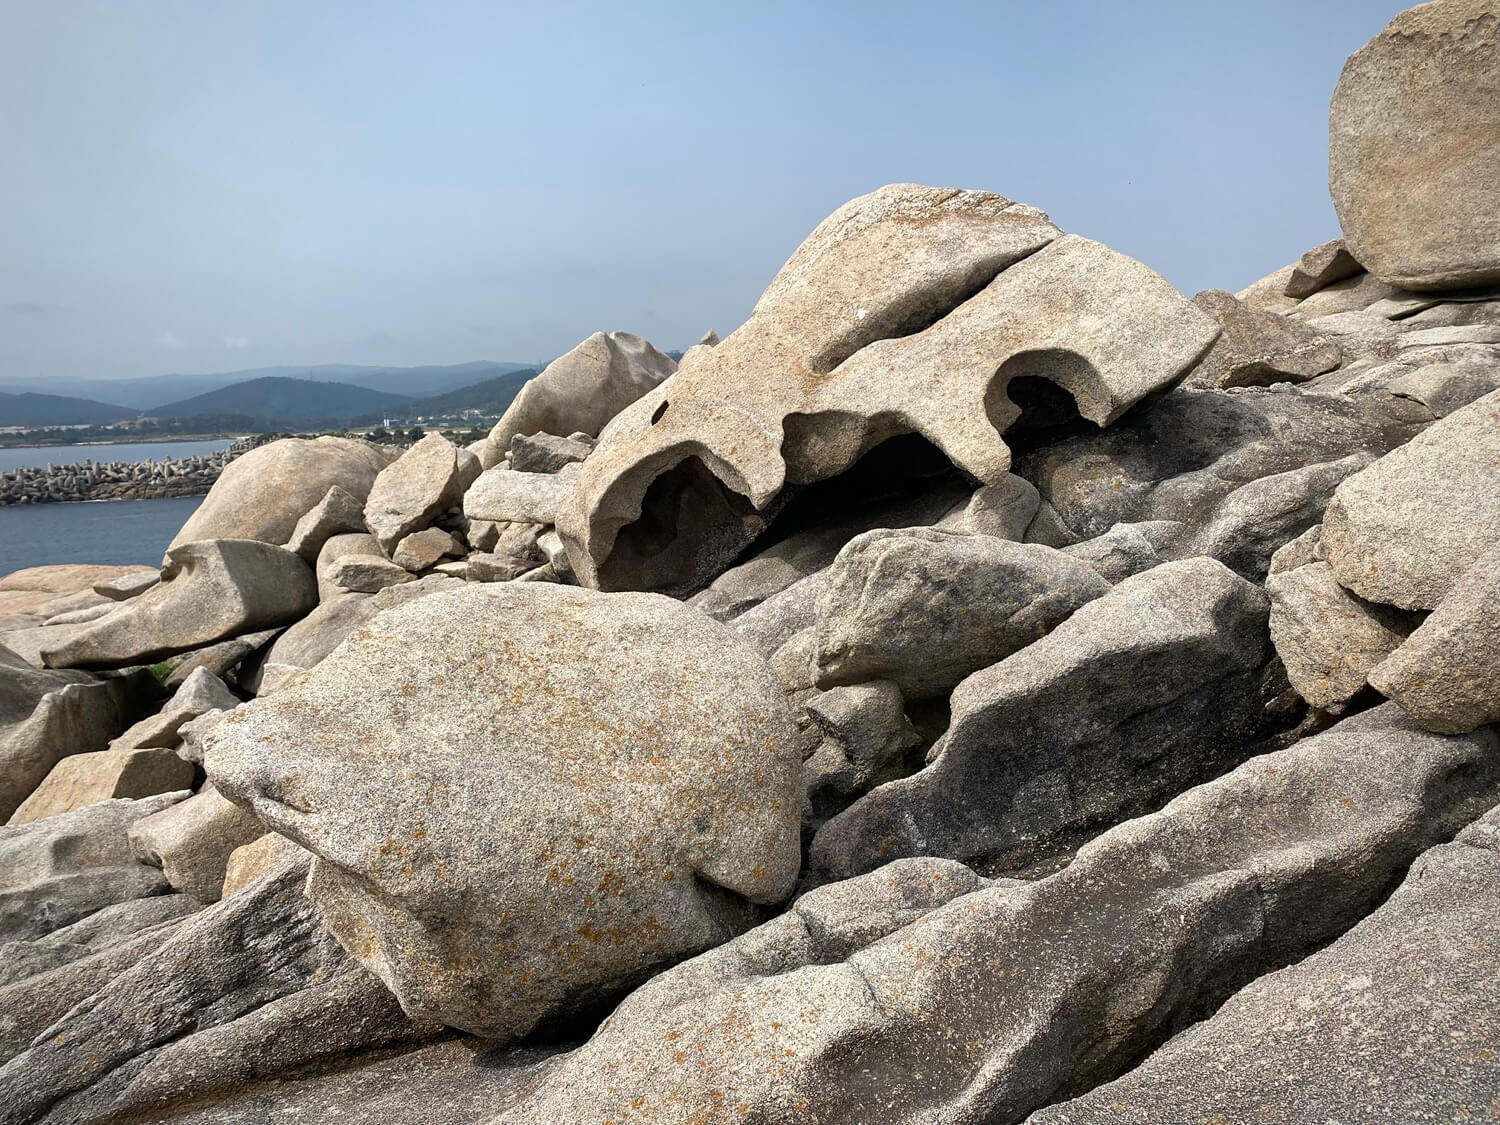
(1182, 458)
(66, 867)
(1123, 550)
(505, 495)
(548, 453)
(1006, 998)
(634, 763)
(80, 780)
(208, 591)
(1328, 638)
(865, 733)
(47, 715)
(192, 840)
(105, 928)
(1320, 267)
(423, 549)
(1402, 531)
(338, 547)
(1414, 147)
(908, 310)
(1257, 348)
(127, 586)
(415, 489)
(246, 990)
(1141, 692)
(263, 493)
(339, 512)
(812, 548)
(365, 574)
(924, 608)
(324, 629)
(1395, 1021)
(582, 390)
(1446, 674)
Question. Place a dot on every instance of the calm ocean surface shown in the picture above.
(134, 451)
(98, 531)
(106, 531)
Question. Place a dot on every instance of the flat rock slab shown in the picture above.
(1398, 1020)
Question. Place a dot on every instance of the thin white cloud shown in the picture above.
(236, 343)
(168, 339)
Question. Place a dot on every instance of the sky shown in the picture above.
(203, 185)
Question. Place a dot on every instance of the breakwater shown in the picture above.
(117, 480)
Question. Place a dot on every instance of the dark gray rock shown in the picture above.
(547, 453)
(249, 989)
(1181, 459)
(1148, 689)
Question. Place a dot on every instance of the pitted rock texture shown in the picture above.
(909, 310)
(634, 766)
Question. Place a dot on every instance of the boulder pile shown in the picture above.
(985, 687)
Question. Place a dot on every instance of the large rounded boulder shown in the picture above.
(524, 799)
(263, 494)
(1414, 158)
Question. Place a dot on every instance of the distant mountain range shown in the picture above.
(273, 402)
(144, 394)
(28, 409)
(270, 398)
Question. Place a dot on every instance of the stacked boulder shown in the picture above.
(987, 686)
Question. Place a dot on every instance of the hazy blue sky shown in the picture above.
(196, 185)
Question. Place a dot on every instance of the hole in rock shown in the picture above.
(689, 518)
(873, 492)
(659, 413)
(1035, 384)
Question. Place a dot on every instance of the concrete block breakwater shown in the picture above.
(116, 480)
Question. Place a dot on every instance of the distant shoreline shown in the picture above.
(4, 444)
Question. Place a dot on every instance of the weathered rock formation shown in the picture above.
(1076, 704)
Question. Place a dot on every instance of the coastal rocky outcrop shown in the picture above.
(988, 686)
